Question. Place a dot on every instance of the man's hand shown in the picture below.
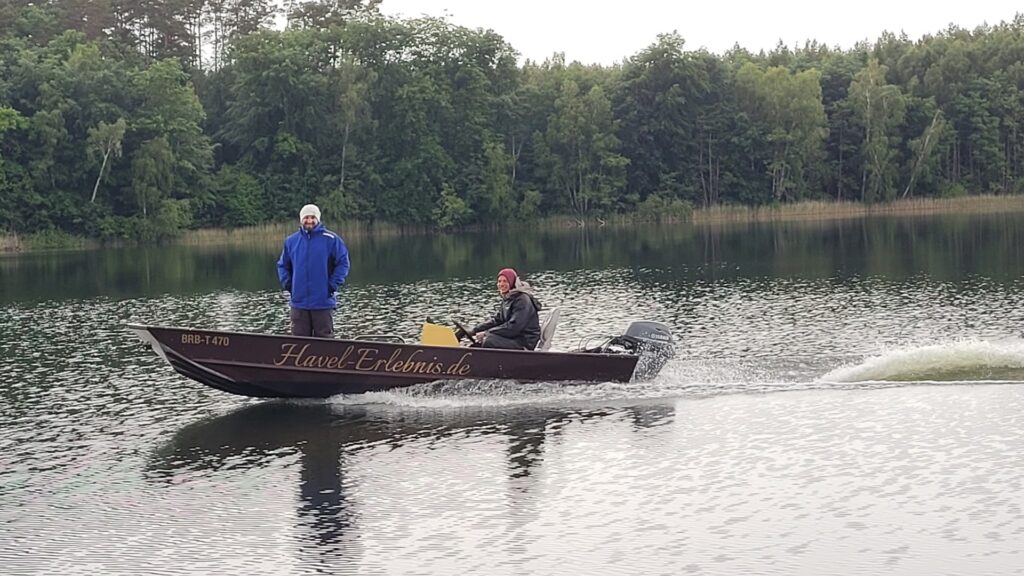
(480, 337)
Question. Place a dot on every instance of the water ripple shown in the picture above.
(890, 453)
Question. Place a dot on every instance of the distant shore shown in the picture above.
(818, 210)
(801, 211)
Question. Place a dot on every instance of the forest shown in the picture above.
(135, 120)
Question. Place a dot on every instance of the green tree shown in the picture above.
(787, 110)
(324, 14)
(10, 119)
(658, 105)
(238, 196)
(152, 173)
(15, 188)
(499, 198)
(582, 149)
(168, 113)
(451, 210)
(105, 141)
(353, 83)
(922, 148)
(879, 108)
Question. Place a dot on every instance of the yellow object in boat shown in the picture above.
(438, 335)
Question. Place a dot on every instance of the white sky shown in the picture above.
(605, 33)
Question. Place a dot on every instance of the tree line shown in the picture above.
(124, 119)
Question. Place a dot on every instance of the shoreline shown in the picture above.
(819, 210)
(809, 211)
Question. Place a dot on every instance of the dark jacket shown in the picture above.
(312, 266)
(516, 318)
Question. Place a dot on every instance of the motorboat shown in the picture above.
(281, 366)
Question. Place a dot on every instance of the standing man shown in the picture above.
(313, 265)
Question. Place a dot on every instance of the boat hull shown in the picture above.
(273, 366)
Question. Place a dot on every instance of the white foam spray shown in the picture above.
(965, 361)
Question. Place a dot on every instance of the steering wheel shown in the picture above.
(466, 331)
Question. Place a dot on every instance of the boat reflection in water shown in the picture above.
(336, 445)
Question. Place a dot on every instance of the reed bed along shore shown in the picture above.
(819, 210)
(276, 232)
(10, 243)
(808, 211)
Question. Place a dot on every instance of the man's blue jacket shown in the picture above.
(312, 266)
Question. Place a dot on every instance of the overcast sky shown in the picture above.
(606, 32)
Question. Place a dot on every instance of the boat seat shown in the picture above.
(547, 329)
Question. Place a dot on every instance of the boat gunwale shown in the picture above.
(147, 327)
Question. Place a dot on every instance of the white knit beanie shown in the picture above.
(309, 210)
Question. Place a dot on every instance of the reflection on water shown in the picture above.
(897, 481)
(894, 449)
(328, 440)
(946, 248)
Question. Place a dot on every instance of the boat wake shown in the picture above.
(964, 362)
(974, 361)
(490, 393)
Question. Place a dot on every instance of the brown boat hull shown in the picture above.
(273, 366)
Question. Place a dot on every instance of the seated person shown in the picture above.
(516, 325)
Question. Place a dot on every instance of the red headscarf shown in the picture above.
(510, 275)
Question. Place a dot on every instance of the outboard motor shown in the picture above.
(651, 341)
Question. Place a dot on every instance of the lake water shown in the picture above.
(847, 398)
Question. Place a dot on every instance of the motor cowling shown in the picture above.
(652, 342)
